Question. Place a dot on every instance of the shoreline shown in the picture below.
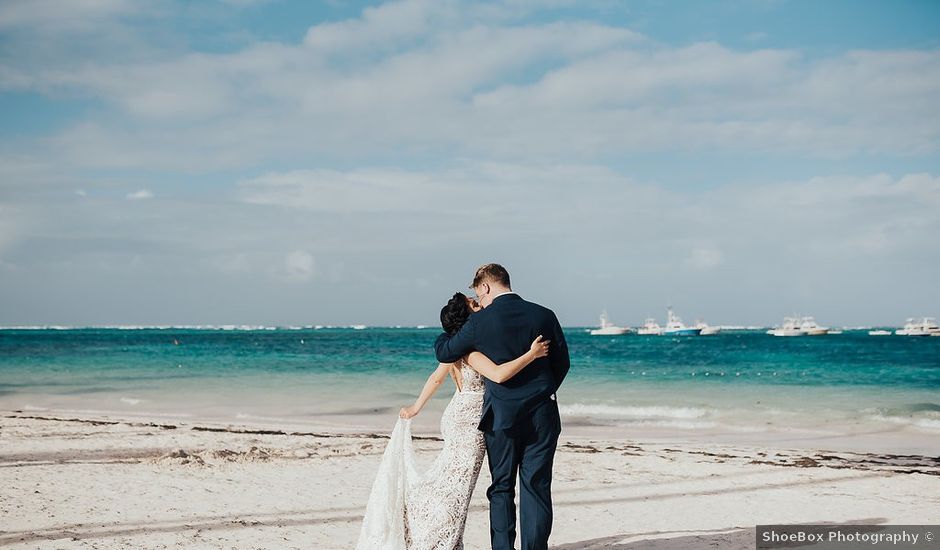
(787, 456)
(826, 436)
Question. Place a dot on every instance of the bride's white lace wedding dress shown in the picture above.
(413, 510)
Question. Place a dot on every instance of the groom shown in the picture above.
(520, 421)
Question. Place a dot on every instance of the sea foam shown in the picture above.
(633, 412)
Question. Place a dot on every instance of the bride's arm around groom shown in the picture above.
(520, 420)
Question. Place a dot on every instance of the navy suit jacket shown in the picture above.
(503, 331)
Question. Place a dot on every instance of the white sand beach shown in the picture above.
(95, 482)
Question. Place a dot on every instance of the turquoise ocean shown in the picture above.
(737, 382)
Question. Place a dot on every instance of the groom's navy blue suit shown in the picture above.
(520, 421)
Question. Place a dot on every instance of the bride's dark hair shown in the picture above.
(455, 313)
(453, 316)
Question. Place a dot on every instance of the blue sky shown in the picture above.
(278, 162)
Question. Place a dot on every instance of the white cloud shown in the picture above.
(704, 259)
(385, 25)
(65, 14)
(806, 219)
(298, 266)
(11, 226)
(437, 78)
(463, 123)
(812, 241)
(631, 78)
(143, 194)
(230, 263)
(245, 3)
(366, 190)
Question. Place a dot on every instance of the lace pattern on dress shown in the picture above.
(408, 511)
(437, 505)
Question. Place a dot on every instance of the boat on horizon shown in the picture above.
(809, 327)
(675, 326)
(607, 328)
(879, 333)
(650, 328)
(801, 326)
(926, 326)
(705, 329)
(790, 327)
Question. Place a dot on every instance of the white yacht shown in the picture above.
(650, 328)
(675, 326)
(879, 333)
(930, 326)
(705, 329)
(809, 327)
(791, 327)
(909, 326)
(919, 327)
(607, 328)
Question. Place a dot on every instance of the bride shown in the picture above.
(408, 510)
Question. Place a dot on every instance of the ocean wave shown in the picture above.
(633, 412)
(37, 327)
(679, 424)
(118, 412)
(920, 415)
(928, 423)
(922, 407)
(261, 418)
(130, 400)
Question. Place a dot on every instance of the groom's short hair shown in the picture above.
(493, 273)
